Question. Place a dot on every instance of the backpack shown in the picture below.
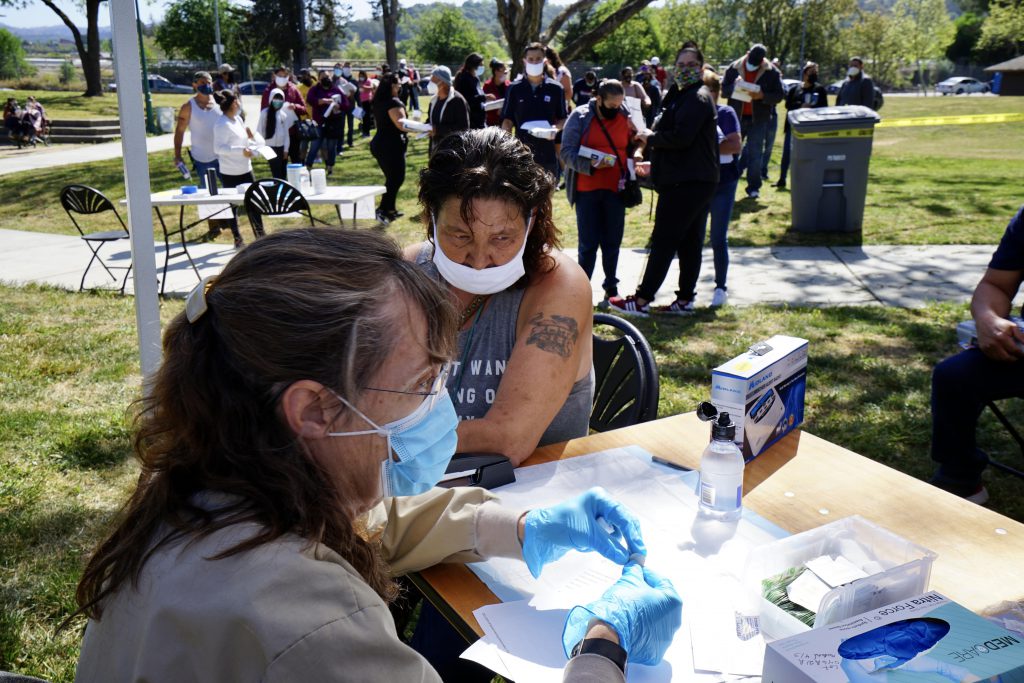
(879, 100)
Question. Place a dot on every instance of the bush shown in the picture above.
(67, 72)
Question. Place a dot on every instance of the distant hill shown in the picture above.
(43, 34)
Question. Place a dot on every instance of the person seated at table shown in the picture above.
(963, 384)
(524, 373)
(274, 125)
(234, 144)
(272, 513)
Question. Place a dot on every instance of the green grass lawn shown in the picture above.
(68, 371)
(928, 185)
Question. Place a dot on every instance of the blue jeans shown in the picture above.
(769, 143)
(961, 386)
(330, 145)
(784, 166)
(721, 214)
(753, 151)
(199, 169)
(600, 222)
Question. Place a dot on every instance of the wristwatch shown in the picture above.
(603, 647)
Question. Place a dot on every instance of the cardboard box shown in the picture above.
(763, 391)
(926, 639)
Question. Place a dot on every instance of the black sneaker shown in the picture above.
(382, 217)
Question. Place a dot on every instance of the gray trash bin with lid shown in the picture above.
(830, 154)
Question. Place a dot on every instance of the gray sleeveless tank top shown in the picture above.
(483, 353)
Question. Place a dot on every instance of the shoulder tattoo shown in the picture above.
(556, 334)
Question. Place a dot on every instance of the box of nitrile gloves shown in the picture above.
(763, 391)
(926, 639)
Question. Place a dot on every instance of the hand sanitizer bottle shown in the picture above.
(721, 471)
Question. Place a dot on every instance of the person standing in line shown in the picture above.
(684, 170)
(495, 88)
(858, 88)
(274, 124)
(367, 88)
(389, 144)
(772, 130)
(659, 73)
(233, 142)
(226, 81)
(409, 77)
(327, 103)
(561, 71)
(653, 90)
(448, 112)
(349, 103)
(535, 99)
(593, 184)
(755, 108)
(730, 144)
(467, 83)
(296, 102)
(584, 88)
(350, 86)
(809, 94)
(634, 89)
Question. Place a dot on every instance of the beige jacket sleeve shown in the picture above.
(463, 524)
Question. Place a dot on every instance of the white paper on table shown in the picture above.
(487, 652)
(717, 609)
(693, 553)
(213, 211)
(636, 112)
(835, 572)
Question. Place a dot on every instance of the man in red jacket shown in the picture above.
(293, 99)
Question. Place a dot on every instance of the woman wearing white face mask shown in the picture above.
(523, 372)
(300, 389)
(235, 144)
(295, 102)
(467, 82)
(274, 123)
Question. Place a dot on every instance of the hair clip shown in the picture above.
(195, 303)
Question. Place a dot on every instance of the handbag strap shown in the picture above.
(622, 164)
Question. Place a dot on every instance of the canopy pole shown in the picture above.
(128, 70)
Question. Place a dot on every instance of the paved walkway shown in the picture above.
(904, 276)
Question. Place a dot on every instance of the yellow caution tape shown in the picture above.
(967, 119)
(848, 133)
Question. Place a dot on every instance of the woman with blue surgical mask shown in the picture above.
(467, 82)
(300, 405)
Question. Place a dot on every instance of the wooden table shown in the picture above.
(800, 483)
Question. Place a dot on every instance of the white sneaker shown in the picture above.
(719, 298)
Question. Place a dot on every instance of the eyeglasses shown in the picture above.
(429, 388)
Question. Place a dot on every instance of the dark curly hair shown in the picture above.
(492, 164)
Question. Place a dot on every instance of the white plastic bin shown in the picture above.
(897, 568)
(165, 119)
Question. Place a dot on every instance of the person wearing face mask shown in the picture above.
(288, 472)
(659, 73)
(634, 89)
(468, 84)
(349, 89)
(809, 94)
(583, 89)
(389, 144)
(755, 114)
(198, 116)
(535, 100)
(447, 112)
(367, 87)
(495, 88)
(593, 184)
(858, 88)
(653, 90)
(327, 103)
(685, 174)
(274, 123)
(293, 101)
(410, 79)
(235, 144)
(226, 81)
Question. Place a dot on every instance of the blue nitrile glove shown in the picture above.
(573, 525)
(643, 608)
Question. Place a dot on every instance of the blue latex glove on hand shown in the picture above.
(643, 608)
(573, 525)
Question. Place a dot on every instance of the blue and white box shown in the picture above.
(925, 639)
(763, 391)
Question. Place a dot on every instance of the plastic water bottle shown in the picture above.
(183, 169)
(721, 473)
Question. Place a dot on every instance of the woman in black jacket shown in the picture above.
(389, 143)
(809, 94)
(684, 170)
(467, 84)
(447, 112)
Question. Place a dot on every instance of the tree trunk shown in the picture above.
(389, 10)
(521, 25)
(602, 30)
(91, 59)
(300, 52)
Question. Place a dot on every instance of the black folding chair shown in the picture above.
(627, 388)
(275, 197)
(82, 199)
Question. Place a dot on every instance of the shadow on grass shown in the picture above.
(94, 447)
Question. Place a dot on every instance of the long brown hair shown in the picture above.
(300, 304)
(492, 164)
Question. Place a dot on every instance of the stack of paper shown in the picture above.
(523, 634)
